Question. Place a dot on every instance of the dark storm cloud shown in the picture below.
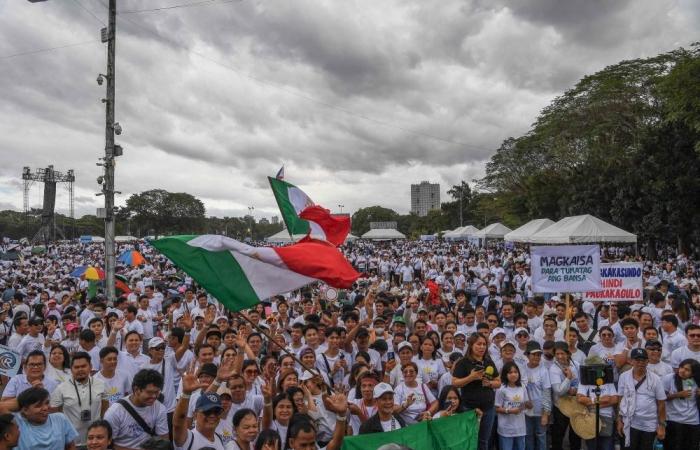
(354, 97)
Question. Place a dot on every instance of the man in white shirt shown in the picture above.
(642, 404)
(672, 337)
(127, 433)
(82, 398)
(691, 350)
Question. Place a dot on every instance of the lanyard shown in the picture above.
(80, 403)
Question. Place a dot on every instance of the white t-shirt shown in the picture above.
(661, 369)
(29, 344)
(605, 390)
(423, 397)
(682, 353)
(645, 415)
(200, 441)
(430, 369)
(168, 368)
(536, 381)
(128, 433)
(681, 410)
(390, 425)
(511, 425)
(116, 387)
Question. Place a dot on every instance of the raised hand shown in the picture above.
(187, 321)
(268, 390)
(338, 403)
(225, 371)
(190, 383)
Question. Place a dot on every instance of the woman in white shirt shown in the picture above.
(683, 420)
(563, 375)
(430, 366)
(416, 401)
(59, 363)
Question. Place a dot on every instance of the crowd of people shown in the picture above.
(430, 330)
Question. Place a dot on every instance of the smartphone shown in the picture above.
(390, 356)
(342, 355)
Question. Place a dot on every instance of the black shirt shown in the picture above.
(475, 394)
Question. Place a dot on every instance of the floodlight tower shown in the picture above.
(48, 176)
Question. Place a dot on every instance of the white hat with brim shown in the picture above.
(381, 389)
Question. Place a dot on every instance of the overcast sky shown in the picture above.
(358, 99)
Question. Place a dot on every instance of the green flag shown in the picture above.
(291, 201)
(458, 432)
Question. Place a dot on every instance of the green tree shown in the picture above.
(163, 212)
(363, 216)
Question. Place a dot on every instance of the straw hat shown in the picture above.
(584, 425)
(570, 407)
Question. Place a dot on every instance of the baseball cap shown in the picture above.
(507, 342)
(639, 353)
(207, 402)
(533, 347)
(520, 330)
(381, 389)
(496, 331)
(405, 344)
(223, 390)
(208, 369)
(399, 319)
(306, 350)
(72, 327)
(155, 342)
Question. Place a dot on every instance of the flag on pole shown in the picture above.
(291, 201)
(280, 173)
(240, 275)
(302, 216)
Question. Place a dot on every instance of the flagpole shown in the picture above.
(260, 330)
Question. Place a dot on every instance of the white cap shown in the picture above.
(307, 375)
(508, 342)
(155, 342)
(404, 344)
(520, 330)
(381, 389)
(496, 331)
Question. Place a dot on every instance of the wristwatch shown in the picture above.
(662, 423)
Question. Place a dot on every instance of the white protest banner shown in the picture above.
(565, 268)
(621, 281)
(9, 361)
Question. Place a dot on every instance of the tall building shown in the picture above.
(275, 220)
(424, 197)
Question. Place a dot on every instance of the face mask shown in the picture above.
(379, 330)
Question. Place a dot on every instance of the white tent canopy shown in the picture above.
(282, 237)
(125, 238)
(494, 231)
(380, 234)
(350, 237)
(462, 232)
(581, 230)
(523, 233)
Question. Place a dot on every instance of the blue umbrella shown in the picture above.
(78, 271)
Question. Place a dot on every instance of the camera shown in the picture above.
(596, 374)
(85, 415)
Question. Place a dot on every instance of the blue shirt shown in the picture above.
(54, 434)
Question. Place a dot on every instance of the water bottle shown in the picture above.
(658, 445)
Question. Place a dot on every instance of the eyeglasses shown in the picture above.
(34, 365)
(160, 348)
(694, 335)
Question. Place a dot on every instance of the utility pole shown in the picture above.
(110, 153)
